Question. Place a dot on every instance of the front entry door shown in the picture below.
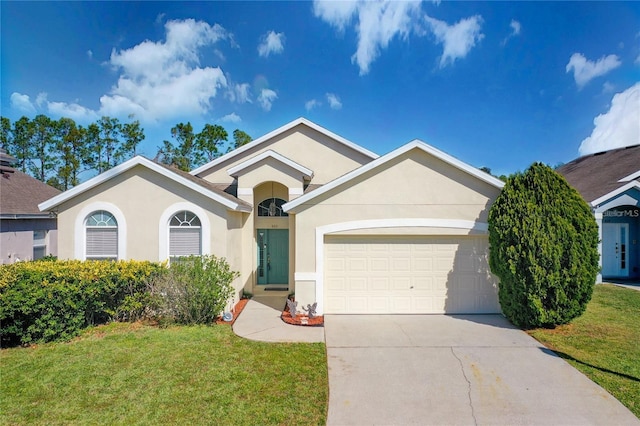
(615, 246)
(273, 256)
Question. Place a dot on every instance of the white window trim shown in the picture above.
(481, 228)
(80, 240)
(163, 228)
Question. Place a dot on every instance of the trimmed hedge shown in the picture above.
(47, 301)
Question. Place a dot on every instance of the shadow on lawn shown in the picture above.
(604, 370)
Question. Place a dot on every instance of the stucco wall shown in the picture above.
(16, 238)
(271, 170)
(416, 185)
(412, 186)
(327, 158)
(142, 197)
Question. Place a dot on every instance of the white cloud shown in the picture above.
(239, 93)
(266, 98)
(585, 70)
(231, 118)
(637, 61)
(334, 101)
(73, 110)
(90, 54)
(457, 39)
(515, 31)
(57, 109)
(41, 99)
(271, 42)
(160, 80)
(311, 104)
(515, 27)
(337, 13)
(607, 87)
(22, 103)
(618, 127)
(378, 23)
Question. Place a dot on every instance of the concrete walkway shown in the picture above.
(260, 321)
(633, 285)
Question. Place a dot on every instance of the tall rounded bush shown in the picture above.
(544, 249)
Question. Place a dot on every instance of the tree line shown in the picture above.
(61, 152)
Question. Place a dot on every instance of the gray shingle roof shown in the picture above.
(224, 192)
(20, 193)
(598, 174)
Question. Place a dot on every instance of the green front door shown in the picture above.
(273, 256)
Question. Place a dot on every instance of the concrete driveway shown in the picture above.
(437, 370)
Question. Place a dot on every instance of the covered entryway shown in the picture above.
(408, 274)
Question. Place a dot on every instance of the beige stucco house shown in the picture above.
(303, 210)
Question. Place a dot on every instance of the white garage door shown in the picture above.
(404, 274)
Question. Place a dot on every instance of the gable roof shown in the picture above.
(21, 193)
(234, 171)
(279, 131)
(600, 176)
(415, 144)
(196, 184)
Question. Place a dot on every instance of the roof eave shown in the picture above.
(600, 200)
(277, 132)
(17, 216)
(304, 171)
(291, 205)
(127, 165)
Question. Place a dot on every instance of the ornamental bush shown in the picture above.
(55, 300)
(195, 290)
(544, 249)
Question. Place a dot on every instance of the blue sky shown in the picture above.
(496, 84)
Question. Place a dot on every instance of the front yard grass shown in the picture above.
(604, 343)
(134, 374)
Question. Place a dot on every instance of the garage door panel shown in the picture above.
(335, 284)
(379, 264)
(380, 283)
(402, 264)
(408, 275)
(422, 264)
(401, 283)
(335, 263)
(358, 264)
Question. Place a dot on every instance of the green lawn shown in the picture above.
(135, 374)
(604, 343)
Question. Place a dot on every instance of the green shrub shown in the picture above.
(544, 249)
(54, 300)
(195, 290)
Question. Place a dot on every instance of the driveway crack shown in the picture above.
(407, 335)
(464, 374)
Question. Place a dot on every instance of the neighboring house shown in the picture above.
(610, 183)
(26, 233)
(303, 210)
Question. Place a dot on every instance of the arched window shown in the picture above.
(102, 236)
(185, 236)
(272, 207)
